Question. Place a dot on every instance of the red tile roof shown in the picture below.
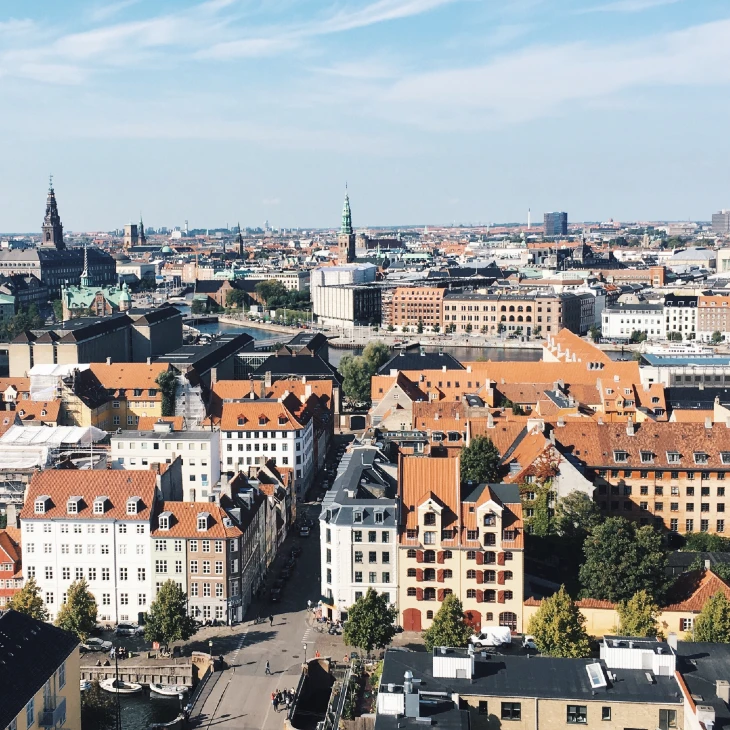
(692, 590)
(184, 522)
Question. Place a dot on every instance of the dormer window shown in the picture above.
(609, 391)
(100, 505)
(673, 457)
(262, 420)
(378, 518)
(725, 457)
(357, 516)
(489, 520)
(700, 457)
(164, 520)
(620, 457)
(654, 399)
(647, 457)
(44, 412)
(203, 518)
(283, 420)
(41, 504)
(627, 391)
(429, 518)
(72, 506)
(132, 504)
(241, 420)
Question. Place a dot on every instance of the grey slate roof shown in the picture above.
(420, 361)
(30, 652)
(701, 665)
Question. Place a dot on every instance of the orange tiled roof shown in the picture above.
(118, 486)
(9, 547)
(580, 603)
(21, 385)
(130, 375)
(252, 412)
(184, 522)
(147, 423)
(692, 590)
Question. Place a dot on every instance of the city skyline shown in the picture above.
(434, 111)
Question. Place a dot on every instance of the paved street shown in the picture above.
(239, 697)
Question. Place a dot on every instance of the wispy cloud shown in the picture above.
(546, 80)
(15, 27)
(628, 6)
(101, 13)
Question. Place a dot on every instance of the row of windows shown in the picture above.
(167, 445)
(161, 566)
(372, 577)
(261, 447)
(372, 536)
(488, 576)
(262, 434)
(64, 528)
(205, 545)
(91, 573)
(372, 556)
(659, 490)
(106, 599)
(205, 589)
(659, 475)
(429, 556)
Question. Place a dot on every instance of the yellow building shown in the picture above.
(462, 539)
(112, 395)
(39, 675)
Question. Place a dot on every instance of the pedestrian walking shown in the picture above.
(268, 667)
(273, 699)
(309, 604)
(271, 620)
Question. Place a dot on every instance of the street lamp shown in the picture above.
(304, 646)
(210, 647)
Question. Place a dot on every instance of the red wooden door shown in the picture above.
(412, 619)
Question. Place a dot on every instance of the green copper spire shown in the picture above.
(346, 215)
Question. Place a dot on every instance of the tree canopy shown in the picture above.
(376, 354)
(356, 371)
(622, 559)
(559, 627)
(713, 623)
(448, 627)
(78, 614)
(370, 622)
(28, 601)
(576, 515)
(638, 616)
(98, 709)
(705, 542)
(168, 618)
(167, 381)
(480, 461)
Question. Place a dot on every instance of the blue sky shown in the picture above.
(433, 111)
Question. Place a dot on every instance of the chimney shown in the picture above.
(11, 512)
(108, 361)
(722, 689)
(672, 640)
(630, 427)
(490, 421)
(262, 390)
(600, 420)
(708, 423)
(213, 376)
(267, 379)
(436, 416)
(561, 422)
(149, 361)
(708, 565)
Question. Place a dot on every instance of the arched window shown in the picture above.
(429, 556)
(520, 308)
(503, 308)
(411, 553)
(429, 574)
(412, 592)
(448, 555)
(471, 555)
(489, 558)
(528, 308)
(504, 318)
(490, 576)
(528, 318)
(448, 574)
(471, 593)
(429, 594)
(490, 596)
(519, 318)
(471, 574)
(511, 308)
(411, 572)
(509, 620)
(429, 614)
(512, 318)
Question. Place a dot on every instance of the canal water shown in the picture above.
(140, 711)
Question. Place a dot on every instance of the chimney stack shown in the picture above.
(630, 427)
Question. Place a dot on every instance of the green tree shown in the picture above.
(448, 627)
(674, 336)
(390, 328)
(638, 616)
(98, 709)
(705, 542)
(370, 622)
(167, 381)
(376, 354)
(517, 409)
(559, 627)
(713, 623)
(271, 292)
(236, 298)
(717, 337)
(436, 327)
(199, 306)
(468, 327)
(419, 329)
(595, 333)
(28, 601)
(480, 461)
(576, 515)
(638, 336)
(168, 618)
(356, 374)
(621, 559)
(78, 614)
(57, 305)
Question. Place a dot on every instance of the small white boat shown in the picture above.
(120, 687)
(170, 690)
(84, 684)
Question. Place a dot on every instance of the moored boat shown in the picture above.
(169, 690)
(120, 687)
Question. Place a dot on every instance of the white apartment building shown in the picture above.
(198, 452)
(620, 320)
(254, 432)
(680, 312)
(93, 525)
(359, 532)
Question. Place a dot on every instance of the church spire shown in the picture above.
(85, 277)
(346, 215)
(240, 242)
(52, 229)
(142, 237)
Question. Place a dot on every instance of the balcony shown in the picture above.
(54, 714)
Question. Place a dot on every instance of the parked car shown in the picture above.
(304, 531)
(492, 636)
(125, 629)
(96, 645)
(528, 642)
